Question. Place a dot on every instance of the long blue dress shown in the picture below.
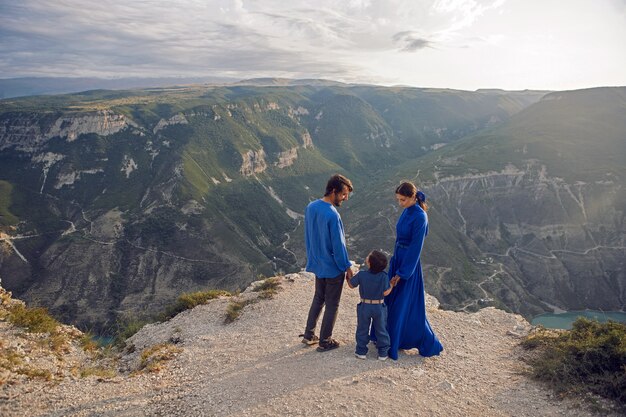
(406, 321)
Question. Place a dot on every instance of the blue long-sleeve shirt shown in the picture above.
(326, 252)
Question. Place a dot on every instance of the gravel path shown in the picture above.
(257, 366)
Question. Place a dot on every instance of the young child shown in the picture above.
(373, 286)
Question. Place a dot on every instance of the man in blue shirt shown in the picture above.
(327, 258)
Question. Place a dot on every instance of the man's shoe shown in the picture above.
(309, 340)
(360, 356)
(328, 344)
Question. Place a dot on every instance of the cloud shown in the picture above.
(416, 44)
(195, 38)
(411, 42)
(352, 41)
(465, 12)
(620, 6)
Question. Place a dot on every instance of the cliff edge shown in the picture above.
(197, 364)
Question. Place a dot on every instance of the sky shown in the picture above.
(459, 44)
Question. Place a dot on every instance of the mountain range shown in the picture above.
(32, 86)
(112, 203)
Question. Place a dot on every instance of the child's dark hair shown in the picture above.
(378, 261)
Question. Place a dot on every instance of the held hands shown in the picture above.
(349, 273)
(393, 281)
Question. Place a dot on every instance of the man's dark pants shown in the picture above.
(327, 292)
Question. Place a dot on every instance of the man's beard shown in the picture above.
(337, 202)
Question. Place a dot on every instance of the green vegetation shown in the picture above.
(589, 358)
(268, 288)
(240, 200)
(181, 194)
(578, 136)
(161, 223)
(31, 372)
(235, 308)
(35, 320)
(127, 326)
(6, 217)
(88, 343)
(154, 357)
(57, 342)
(99, 371)
(188, 301)
(13, 361)
(51, 340)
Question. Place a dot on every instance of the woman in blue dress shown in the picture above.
(407, 323)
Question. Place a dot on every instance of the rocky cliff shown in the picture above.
(562, 243)
(527, 214)
(28, 132)
(197, 364)
(114, 202)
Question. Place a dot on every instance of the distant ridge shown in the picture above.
(32, 86)
(283, 82)
(501, 91)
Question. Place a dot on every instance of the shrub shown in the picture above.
(590, 357)
(35, 320)
(88, 342)
(13, 361)
(36, 373)
(126, 327)
(152, 358)
(268, 288)
(58, 343)
(10, 359)
(234, 309)
(188, 301)
(99, 371)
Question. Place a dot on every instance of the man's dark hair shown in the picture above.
(378, 261)
(336, 184)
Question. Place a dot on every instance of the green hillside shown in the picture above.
(543, 192)
(6, 217)
(578, 135)
(129, 198)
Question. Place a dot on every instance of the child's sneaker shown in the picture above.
(382, 358)
(360, 356)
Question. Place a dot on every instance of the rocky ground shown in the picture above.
(198, 365)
